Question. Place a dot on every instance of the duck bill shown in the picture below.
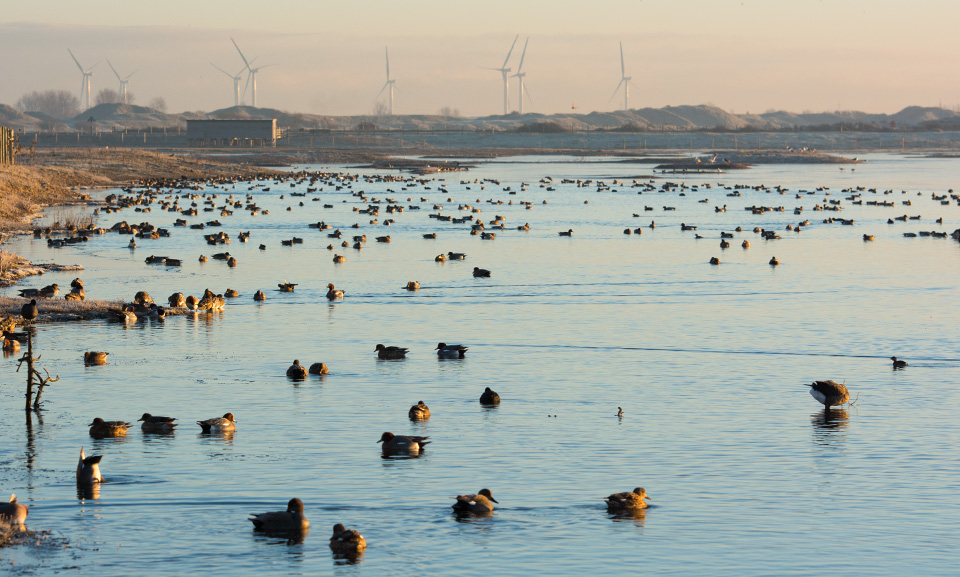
(494, 500)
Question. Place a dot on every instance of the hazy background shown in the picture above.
(328, 58)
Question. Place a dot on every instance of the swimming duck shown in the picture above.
(126, 315)
(456, 255)
(430, 235)
(440, 258)
(231, 293)
(297, 371)
(191, 302)
(445, 351)
(95, 358)
(724, 244)
(566, 232)
(482, 502)
(829, 393)
(289, 521)
(10, 344)
(419, 412)
(774, 261)
(898, 364)
(391, 353)
(88, 469)
(100, 429)
(489, 397)
(152, 424)
(14, 513)
(745, 244)
(142, 298)
(714, 260)
(480, 272)
(630, 501)
(259, 296)
(402, 444)
(333, 293)
(231, 262)
(318, 369)
(177, 300)
(218, 424)
(346, 541)
(337, 258)
(203, 258)
(286, 287)
(29, 311)
(413, 285)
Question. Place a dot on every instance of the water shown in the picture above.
(747, 476)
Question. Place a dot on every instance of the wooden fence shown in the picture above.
(6, 146)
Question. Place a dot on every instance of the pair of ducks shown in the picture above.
(100, 429)
(292, 521)
(444, 351)
(299, 372)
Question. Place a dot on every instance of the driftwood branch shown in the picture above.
(41, 383)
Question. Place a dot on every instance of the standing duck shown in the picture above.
(391, 353)
(29, 311)
(482, 502)
(297, 371)
(346, 541)
(445, 351)
(88, 469)
(626, 502)
(829, 393)
(100, 429)
(289, 521)
(333, 293)
(218, 424)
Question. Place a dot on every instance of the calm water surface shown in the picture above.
(747, 474)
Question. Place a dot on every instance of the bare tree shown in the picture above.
(58, 104)
(380, 109)
(450, 112)
(106, 96)
(159, 104)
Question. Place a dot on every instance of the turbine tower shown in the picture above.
(625, 81)
(389, 82)
(506, 78)
(236, 82)
(123, 82)
(519, 75)
(251, 73)
(85, 83)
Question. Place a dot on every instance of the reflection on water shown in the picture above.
(88, 491)
(283, 537)
(829, 425)
(635, 516)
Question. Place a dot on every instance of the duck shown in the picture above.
(286, 287)
(456, 255)
(100, 429)
(14, 513)
(177, 300)
(419, 412)
(829, 393)
(445, 351)
(745, 244)
(157, 312)
(480, 272)
(333, 293)
(402, 444)
(714, 260)
(203, 258)
(628, 501)
(346, 541)
(440, 258)
(126, 315)
(232, 262)
(95, 358)
(319, 369)
(29, 311)
(76, 284)
(339, 259)
(898, 364)
(231, 293)
(88, 469)
(297, 371)
(50, 291)
(75, 295)
(619, 412)
(413, 285)
(152, 424)
(218, 424)
(482, 502)
(10, 344)
(774, 261)
(191, 302)
(566, 232)
(391, 353)
(259, 296)
(289, 521)
(489, 397)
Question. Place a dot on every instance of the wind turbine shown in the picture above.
(85, 83)
(624, 81)
(519, 75)
(251, 73)
(506, 82)
(236, 82)
(123, 82)
(389, 82)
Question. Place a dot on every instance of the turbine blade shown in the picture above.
(527, 92)
(114, 70)
(505, 60)
(623, 70)
(131, 74)
(222, 70)
(241, 53)
(523, 54)
(247, 85)
(387, 51)
(617, 89)
(75, 60)
(385, 84)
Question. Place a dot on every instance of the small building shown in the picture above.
(244, 133)
(6, 145)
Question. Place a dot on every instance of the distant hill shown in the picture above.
(685, 117)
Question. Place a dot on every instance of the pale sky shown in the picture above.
(328, 57)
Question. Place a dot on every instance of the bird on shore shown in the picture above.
(218, 424)
(29, 311)
(297, 371)
(346, 541)
(290, 521)
(445, 351)
(419, 412)
(76, 284)
(333, 293)
(14, 513)
(391, 352)
(489, 397)
(100, 429)
(898, 364)
(482, 502)
(95, 358)
(402, 444)
(629, 501)
(480, 272)
(50, 291)
(157, 424)
(318, 369)
(88, 469)
(829, 393)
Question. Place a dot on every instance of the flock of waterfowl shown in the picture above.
(168, 195)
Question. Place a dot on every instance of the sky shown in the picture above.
(320, 57)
